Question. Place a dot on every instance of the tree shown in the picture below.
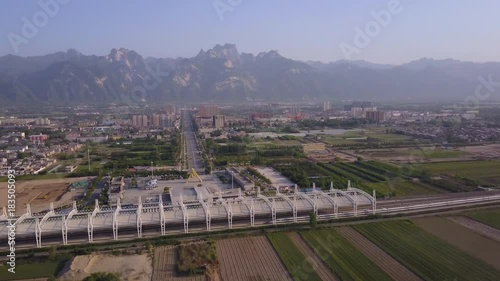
(102, 276)
(313, 220)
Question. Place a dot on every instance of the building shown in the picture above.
(166, 121)
(36, 139)
(362, 104)
(259, 115)
(87, 123)
(357, 112)
(42, 121)
(97, 139)
(140, 121)
(155, 120)
(293, 110)
(239, 180)
(117, 185)
(327, 106)
(375, 116)
(170, 109)
(218, 121)
(208, 111)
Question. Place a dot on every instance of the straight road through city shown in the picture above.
(193, 152)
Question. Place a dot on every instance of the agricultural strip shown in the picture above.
(478, 227)
(489, 217)
(385, 261)
(319, 266)
(464, 239)
(426, 255)
(297, 264)
(251, 258)
(342, 257)
(164, 266)
(484, 172)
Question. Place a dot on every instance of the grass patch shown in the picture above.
(195, 258)
(489, 217)
(484, 172)
(342, 257)
(428, 256)
(292, 257)
(34, 269)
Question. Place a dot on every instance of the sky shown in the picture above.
(320, 30)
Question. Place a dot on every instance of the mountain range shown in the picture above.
(223, 74)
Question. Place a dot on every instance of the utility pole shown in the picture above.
(232, 179)
(152, 169)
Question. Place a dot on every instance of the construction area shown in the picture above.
(37, 193)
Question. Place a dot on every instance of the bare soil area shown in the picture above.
(39, 194)
(250, 258)
(129, 267)
(463, 238)
(482, 228)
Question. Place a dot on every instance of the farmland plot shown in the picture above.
(297, 264)
(342, 257)
(385, 261)
(464, 239)
(324, 272)
(250, 258)
(164, 266)
(423, 253)
(479, 227)
(489, 217)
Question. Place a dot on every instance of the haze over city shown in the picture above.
(464, 30)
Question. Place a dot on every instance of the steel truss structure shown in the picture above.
(294, 206)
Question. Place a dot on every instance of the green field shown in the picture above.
(292, 257)
(489, 217)
(442, 153)
(400, 187)
(347, 262)
(385, 179)
(428, 256)
(410, 153)
(364, 138)
(34, 270)
(484, 172)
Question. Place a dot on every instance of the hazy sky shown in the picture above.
(303, 30)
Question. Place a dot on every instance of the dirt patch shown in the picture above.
(250, 258)
(463, 238)
(391, 266)
(323, 271)
(39, 194)
(484, 229)
(130, 268)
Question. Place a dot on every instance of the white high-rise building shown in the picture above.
(327, 106)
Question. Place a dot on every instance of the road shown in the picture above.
(193, 152)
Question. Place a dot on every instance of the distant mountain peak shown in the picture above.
(222, 73)
(228, 52)
(273, 54)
